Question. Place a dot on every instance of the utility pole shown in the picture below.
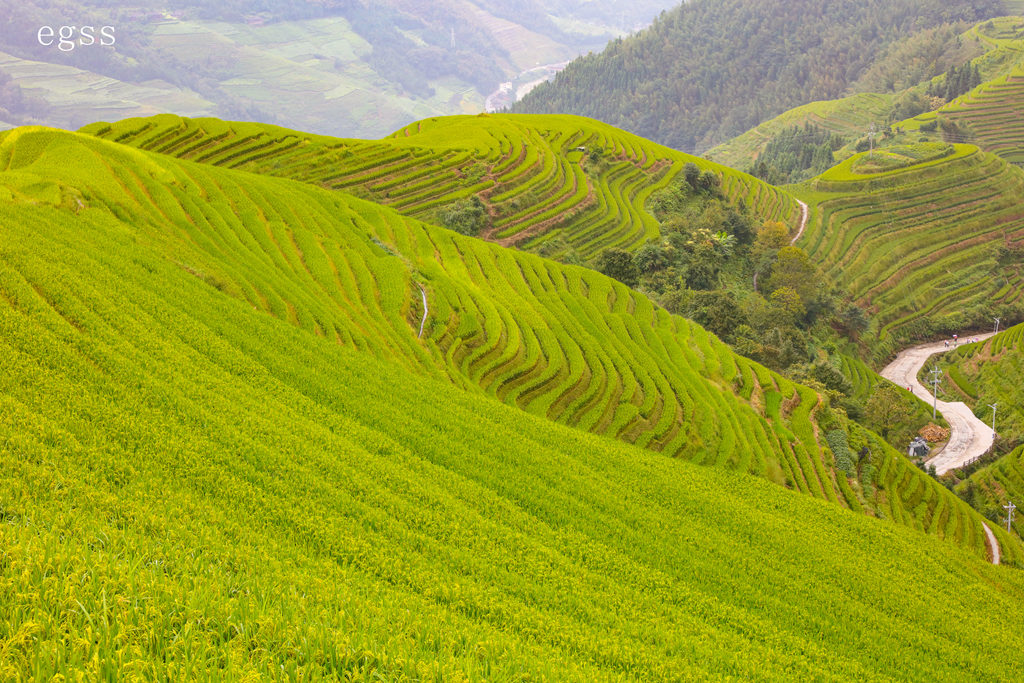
(997, 325)
(993, 407)
(871, 137)
(935, 389)
(1009, 507)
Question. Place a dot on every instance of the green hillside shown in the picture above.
(994, 486)
(850, 117)
(990, 372)
(912, 233)
(215, 465)
(909, 82)
(993, 115)
(565, 343)
(535, 183)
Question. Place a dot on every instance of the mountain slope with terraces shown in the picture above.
(911, 233)
(543, 179)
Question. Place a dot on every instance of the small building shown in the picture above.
(918, 448)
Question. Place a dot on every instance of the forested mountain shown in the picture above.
(711, 69)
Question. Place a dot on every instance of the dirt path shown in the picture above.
(423, 292)
(969, 437)
(803, 222)
(993, 544)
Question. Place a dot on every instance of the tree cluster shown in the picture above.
(797, 154)
(466, 217)
(715, 265)
(957, 81)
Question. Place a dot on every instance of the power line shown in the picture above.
(935, 389)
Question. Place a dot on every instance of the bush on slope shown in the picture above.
(194, 488)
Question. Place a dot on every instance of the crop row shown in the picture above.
(525, 168)
(918, 242)
(994, 114)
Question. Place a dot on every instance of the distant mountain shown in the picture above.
(710, 70)
(340, 67)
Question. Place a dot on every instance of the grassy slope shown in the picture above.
(850, 117)
(523, 167)
(194, 487)
(935, 223)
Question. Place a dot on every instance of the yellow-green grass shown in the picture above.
(524, 167)
(849, 116)
(196, 484)
(915, 245)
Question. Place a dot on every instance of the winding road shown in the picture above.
(969, 437)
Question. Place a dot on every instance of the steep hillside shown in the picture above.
(197, 483)
(568, 181)
(911, 232)
(993, 116)
(709, 70)
(560, 342)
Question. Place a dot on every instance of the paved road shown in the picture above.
(969, 437)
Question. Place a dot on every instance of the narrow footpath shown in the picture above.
(969, 437)
(423, 292)
(803, 222)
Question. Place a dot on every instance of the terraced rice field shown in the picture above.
(525, 168)
(1000, 483)
(915, 245)
(990, 372)
(564, 343)
(994, 114)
